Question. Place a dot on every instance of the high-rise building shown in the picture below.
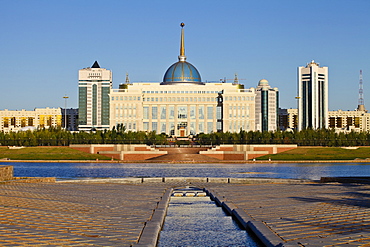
(267, 106)
(94, 85)
(312, 96)
(182, 104)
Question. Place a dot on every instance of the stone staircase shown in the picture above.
(184, 155)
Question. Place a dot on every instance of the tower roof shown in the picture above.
(182, 71)
(95, 65)
(263, 82)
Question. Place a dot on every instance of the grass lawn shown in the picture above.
(48, 153)
(320, 153)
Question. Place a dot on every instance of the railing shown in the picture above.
(181, 146)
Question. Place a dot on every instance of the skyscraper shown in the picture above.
(267, 106)
(94, 85)
(312, 96)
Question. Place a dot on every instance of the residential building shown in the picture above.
(288, 119)
(13, 121)
(341, 121)
(312, 96)
(94, 85)
(349, 120)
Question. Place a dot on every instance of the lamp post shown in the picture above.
(298, 128)
(65, 111)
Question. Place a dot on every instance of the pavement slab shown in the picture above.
(75, 214)
(114, 214)
(306, 214)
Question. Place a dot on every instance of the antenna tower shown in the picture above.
(361, 104)
(361, 91)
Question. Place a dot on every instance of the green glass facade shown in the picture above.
(105, 104)
(82, 105)
(94, 85)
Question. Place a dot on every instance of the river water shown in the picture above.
(120, 170)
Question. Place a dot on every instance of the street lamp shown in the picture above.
(65, 111)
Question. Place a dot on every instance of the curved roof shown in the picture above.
(182, 72)
(263, 83)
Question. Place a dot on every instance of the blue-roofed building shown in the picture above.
(182, 104)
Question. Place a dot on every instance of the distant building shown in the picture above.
(183, 105)
(182, 110)
(341, 121)
(267, 105)
(13, 121)
(349, 120)
(288, 119)
(94, 85)
(72, 119)
(312, 96)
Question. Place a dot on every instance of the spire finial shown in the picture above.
(127, 79)
(236, 80)
(182, 56)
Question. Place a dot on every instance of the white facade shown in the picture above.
(267, 105)
(339, 120)
(349, 120)
(94, 85)
(313, 96)
(13, 121)
(183, 109)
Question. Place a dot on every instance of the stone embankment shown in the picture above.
(135, 152)
(6, 176)
(125, 152)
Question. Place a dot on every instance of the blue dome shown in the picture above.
(181, 72)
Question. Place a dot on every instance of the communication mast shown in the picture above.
(361, 104)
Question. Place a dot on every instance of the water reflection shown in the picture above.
(115, 170)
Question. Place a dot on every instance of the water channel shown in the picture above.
(119, 170)
(195, 220)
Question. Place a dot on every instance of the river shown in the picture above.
(72, 170)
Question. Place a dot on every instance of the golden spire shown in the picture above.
(182, 56)
(127, 79)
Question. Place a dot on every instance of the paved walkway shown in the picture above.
(306, 214)
(76, 214)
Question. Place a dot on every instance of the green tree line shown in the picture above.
(118, 135)
(308, 137)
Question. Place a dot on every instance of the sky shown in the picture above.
(44, 43)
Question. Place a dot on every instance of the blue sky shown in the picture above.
(45, 43)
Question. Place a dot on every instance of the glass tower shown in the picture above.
(312, 96)
(94, 86)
